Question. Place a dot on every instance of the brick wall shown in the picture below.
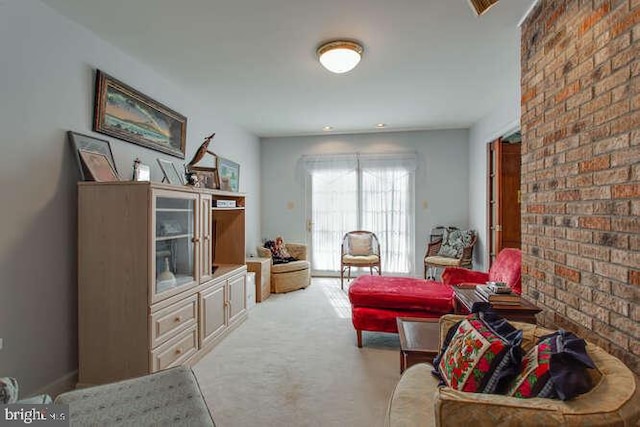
(581, 169)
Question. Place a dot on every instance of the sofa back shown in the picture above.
(531, 334)
(507, 268)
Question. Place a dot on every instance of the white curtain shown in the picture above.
(362, 192)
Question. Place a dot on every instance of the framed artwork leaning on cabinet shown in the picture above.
(79, 142)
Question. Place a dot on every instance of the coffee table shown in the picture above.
(465, 297)
(419, 340)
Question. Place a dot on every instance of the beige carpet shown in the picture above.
(294, 362)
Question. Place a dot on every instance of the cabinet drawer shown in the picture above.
(169, 321)
(175, 351)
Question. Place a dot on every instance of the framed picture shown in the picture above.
(127, 114)
(207, 177)
(228, 174)
(170, 172)
(98, 166)
(141, 172)
(88, 143)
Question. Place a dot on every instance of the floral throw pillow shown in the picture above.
(555, 368)
(454, 242)
(481, 354)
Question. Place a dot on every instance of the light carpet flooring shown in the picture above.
(294, 362)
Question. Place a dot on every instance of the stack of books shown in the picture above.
(497, 295)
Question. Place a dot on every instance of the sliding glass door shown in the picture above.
(361, 192)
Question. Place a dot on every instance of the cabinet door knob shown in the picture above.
(178, 350)
(195, 239)
(206, 237)
(178, 319)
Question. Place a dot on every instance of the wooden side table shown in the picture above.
(419, 340)
(262, 268)
(465, 297)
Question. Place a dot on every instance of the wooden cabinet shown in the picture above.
(262, 268)
(161, 276)
(222, 305)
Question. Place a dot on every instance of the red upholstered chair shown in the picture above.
(506, 268)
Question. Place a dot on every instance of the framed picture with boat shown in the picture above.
(123, 112)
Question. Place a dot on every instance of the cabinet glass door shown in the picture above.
(175, 243)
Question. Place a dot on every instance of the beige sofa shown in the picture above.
(292, 275)
(418, 401)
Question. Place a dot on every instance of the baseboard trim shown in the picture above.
(65, 383)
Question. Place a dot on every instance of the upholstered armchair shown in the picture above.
(453, 249)
(292, 275)
(506, 268)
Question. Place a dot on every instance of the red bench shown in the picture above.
(376, 301)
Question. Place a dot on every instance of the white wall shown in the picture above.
(46, 88)
(501, 121)
(442, 179)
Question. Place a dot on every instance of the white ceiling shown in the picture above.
(427, 63)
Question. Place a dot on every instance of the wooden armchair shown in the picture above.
(458, 253)
(359, 249)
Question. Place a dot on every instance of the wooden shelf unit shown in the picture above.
(130, 323)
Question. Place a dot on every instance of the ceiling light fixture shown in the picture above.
(481, 6)
(340, 56)
(381, 125)
(327, 128)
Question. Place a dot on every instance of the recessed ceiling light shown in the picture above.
(327, 128)
(381, 125)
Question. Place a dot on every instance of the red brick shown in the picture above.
(567, 273)
(580, 318)
(602, 101)
(624, 257)
(615, 79)
(594, 310)
(625, 325)
(628, 225)
(596, 193)
(625, 191)
(596, 163)
(554, 16)
(626, 291)
(584, 180)
(628, 21)
(611, 333)
(579, 263)
(615, 143)
(528, 95)
(611, 271)
(612, 176)
(611, 239)
(612, 303)
(626, 123)
(567, 91)
(594, 222)
(597, 252)
(584, 236)
(579, 153)
(612, 112)
(634, 277)
(630, 156)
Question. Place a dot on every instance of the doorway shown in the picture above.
(503, 194)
